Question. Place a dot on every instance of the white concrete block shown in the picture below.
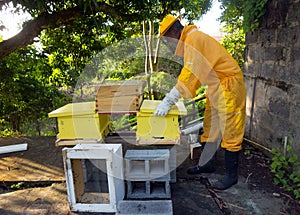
(147, 164)
(148, 189)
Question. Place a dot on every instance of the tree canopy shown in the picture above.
(113, 15)
(40, 66)
(249, 11)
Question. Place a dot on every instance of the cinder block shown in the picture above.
(94, 177)
(173, 164)
(150, 207)
(143, 165)
(148, 189)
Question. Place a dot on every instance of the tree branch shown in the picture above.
(34, 27)
(104, 7)
(56, 19)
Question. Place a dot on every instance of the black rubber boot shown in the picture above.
(209, 167)
(231, 177)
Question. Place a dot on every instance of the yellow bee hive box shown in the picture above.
(156, 129)
(80, 121)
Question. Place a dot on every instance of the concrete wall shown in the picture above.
(272, 76)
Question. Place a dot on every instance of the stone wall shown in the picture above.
(272, 76)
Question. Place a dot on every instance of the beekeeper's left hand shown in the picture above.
(170, 99)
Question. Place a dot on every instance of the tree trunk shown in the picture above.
(38, 127)
(15, 121)
(150, 59)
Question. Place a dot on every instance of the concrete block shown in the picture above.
(172, 164)
(142, 165)
(148, 189)
(150, 207)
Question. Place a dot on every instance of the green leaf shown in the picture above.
(276, 181)
(293, 159)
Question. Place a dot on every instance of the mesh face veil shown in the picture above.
(166, 23)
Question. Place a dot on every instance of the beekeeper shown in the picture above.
(207, 62)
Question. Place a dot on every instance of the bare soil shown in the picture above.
(255, 182)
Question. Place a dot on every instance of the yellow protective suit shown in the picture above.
(207, 62)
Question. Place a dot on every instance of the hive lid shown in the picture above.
(149, 107)
(73, 109)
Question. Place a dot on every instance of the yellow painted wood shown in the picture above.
(73, 109)
(157, 142)
(152, 127)
(149, 106)
(80, 121)
(159, 129)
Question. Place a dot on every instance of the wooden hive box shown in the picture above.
(94, 177)
(155, 129)
(125, 96)
(80, 121)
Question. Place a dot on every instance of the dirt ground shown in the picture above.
(32, 182)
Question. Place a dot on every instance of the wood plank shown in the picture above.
(125, 103)
(73, 142)
(124, 100)
(77, 171)
(112, 95)
(13, 148)
(123, 88)
(118, 112)
(118, 91)
(157, 142)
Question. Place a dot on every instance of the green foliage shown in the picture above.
(43, 127)
(122, 60)
(68, 52)
(247, 150)
(117, 10)
(251, 11)
(18, 186)
(286, 170)
(123, 122)
(234, 41)
(26, 95)
(5, 131)
(201, 103)
(195, 9)
(254, 10)
(162, 83)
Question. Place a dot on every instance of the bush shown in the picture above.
(286, 171)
